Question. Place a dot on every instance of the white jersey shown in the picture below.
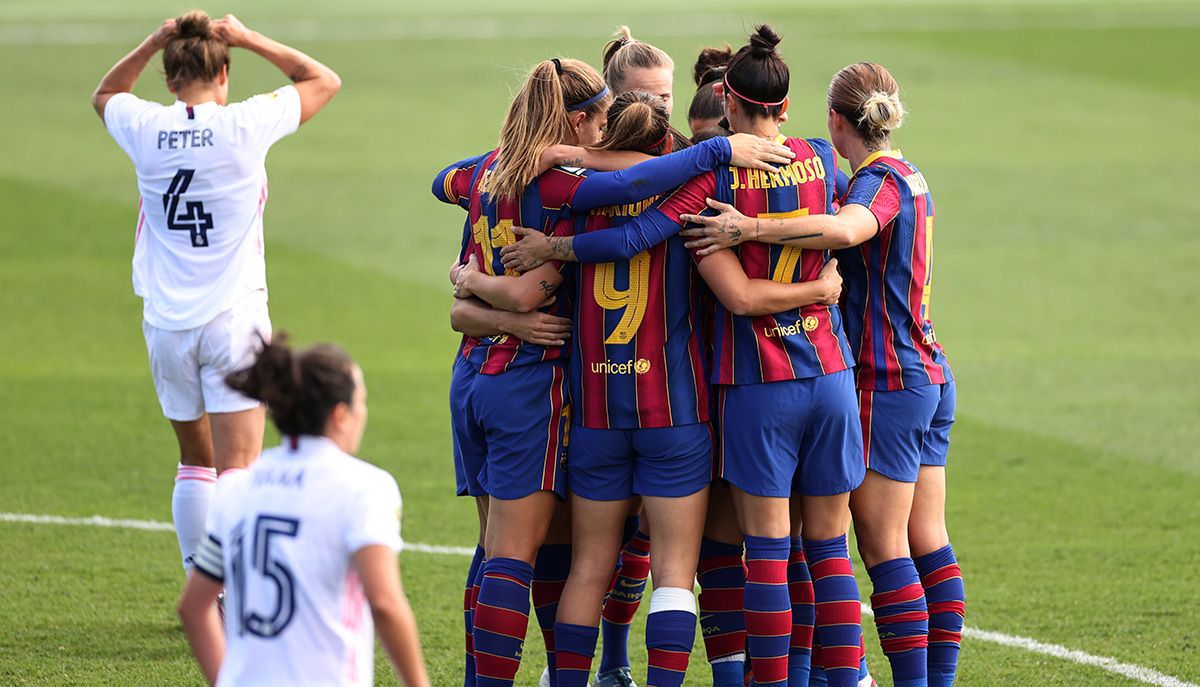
(281, 537)
(202, 178)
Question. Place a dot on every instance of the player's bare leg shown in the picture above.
(940, 574)
(195, 481)
(596, 530)
(237, 437)
(881, 509)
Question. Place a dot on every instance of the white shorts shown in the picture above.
(189, 366)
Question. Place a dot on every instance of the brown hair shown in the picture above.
(710, 65)
(300, 388)
(625, 53)
(706, 104)
(639, 121)
(867, 95)
(194, 54)
(758, 73)
(539, 118)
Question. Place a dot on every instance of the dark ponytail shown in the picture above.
(300, 388)
(757, 76)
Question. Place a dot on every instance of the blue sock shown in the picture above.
(670, 633)
(574, 646)
(729, 674)
(946, 596)
(768, 609)
(902, 619)
(501, 619)
(550, 571)
(804, 615)
(722, 577)
(839, 614)
(469, 616)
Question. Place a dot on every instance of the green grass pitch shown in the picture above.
(1059, 138)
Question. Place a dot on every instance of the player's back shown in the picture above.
(294, 607)
(795, 344)
(203, 187)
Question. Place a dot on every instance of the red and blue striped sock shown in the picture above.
(943, 583)
(574, 647)
(501, 618)
(804, 615)
(623, 600)
(768, 609)
(898, 603)
(469, 592)
(670, 633)
(839, 613)
(550, 572)
(722, 577)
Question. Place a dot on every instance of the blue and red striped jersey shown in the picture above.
(888, 279)
(796, 344)
(639, 358)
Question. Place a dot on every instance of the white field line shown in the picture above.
(1142, 674)
(517, 27)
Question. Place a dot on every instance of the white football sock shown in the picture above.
(189, 507)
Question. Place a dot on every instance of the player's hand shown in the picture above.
(755, 152)
(232, 31)
(163, 34)
(726, 229)
(463, 277)
(539, 328)
(454, 268)
(831, 280)
(531, 250)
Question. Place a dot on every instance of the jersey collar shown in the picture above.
(198, 109)
(895, 153)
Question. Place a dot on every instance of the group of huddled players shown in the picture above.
(709, 395)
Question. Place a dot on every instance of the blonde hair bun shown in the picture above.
(883, 111)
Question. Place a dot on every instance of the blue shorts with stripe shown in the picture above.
(797, 436)
(614, 464)
(510, 430)
(905, 429)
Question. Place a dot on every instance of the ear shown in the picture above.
(224, 77)
(338, 416)
(786, 101)
(576, 119)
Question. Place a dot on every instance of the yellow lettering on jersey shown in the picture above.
(794, 174)
(789, 257)
(916, 182)
(928, 266)
(626, 210)
(633, 299)
(492, 238)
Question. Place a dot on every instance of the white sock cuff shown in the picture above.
(196, 473)
(673, 599)
(740, 657)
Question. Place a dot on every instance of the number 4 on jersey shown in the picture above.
(193, 218)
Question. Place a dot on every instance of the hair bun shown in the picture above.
(763, 41)
(883, 112)
(710, 64)
(194, 24)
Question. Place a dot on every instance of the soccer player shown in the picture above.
(640, 424)
(906, 390)
(508, 398)
(304, 542)
(787, 409)
(707, 111)
(633, 65)
(198, 250)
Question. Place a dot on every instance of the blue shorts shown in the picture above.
(614, 464)
(799, 436)
(510, 430)
(905, 429)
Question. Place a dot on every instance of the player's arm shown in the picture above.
(601, 160)
(851, 225)
(316, 83)
(198, 609)
(742, 295)
(379, 572)
(522, 293)
(452, 185)
(124, 74)
(473, 317)
(661, 174)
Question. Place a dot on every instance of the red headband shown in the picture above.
(751, 100)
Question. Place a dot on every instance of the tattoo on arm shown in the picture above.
(547, 288)
(299, 72)
(801, 236)
(573, 162)
(561, 247)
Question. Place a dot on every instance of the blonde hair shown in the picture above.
(539, 118)
(625, 53)
(194, 54)
(868, 96)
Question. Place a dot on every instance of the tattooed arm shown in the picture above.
(851, 225)
(520, 294)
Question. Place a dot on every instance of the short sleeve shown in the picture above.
(271, 116)
(123, 117)
(374, 517)
(210, 559)
(876, 190)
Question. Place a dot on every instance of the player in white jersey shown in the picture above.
(304, 541)
(198, 250)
